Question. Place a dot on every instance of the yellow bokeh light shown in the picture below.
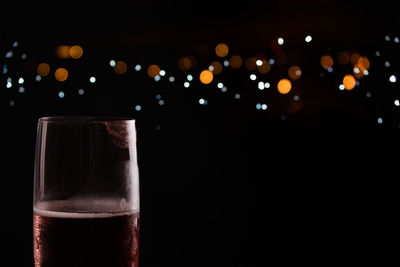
(43, 69)
(284, 86)
(216, 67)
(153, 70)
(206, 77)
(349, 82)
(75, 51)
(62, 51)
(294, 72)
(326, 61)
(221, 50)
(235, 61)
(120, 67)
(61, 74)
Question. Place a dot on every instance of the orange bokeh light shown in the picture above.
(61, 74)
(221, 50)
(120, 67)
(349, 82)
(284, 86)
(43, 69)
(206, 77)
(326, 61)
(294, 72)
(62, 51)
(75, 51)
(235, 61)
(153, 70)
(184, 63)
(265, 67)
(216, 67)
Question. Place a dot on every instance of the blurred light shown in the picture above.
(237, 96)
(387, 64)
(9, 84)
(162, 72)
(397, 102)
(220, 85)
(235, 61)
(158, 96)
(354, 58)
(294, 72)
(75, 51)
(296, 98)
(387, 38)
(81, 92)
(15, 44)
(368, 94)
(280, 41)
(157, 78)
(21, 89)
(284, 86)
(330, 69)
(21, 80)
(364, 63)
(349, 82)
(392, 78)
(203, 101)
(184, 63)
(161, 102)
(326, 61)
(253, 77)
(224, 89)
(396, 39)
(61, 74)
(206, 76)
(189, 77)
(264, 68)
(217, 67)
(264, 106)
(308, 39)
(271, 61)
(259, 62)
(379, 120)
(377, 53)
(267, 85)
(138, 67)
(12, 103)
(24, 56)
(43, 69)
(92, 79)
(5, 69)
(153, 70)
(120, 67)
(341, 87)
(171, 79)
(226, 63)
(61, 94)
(9, 54)
(138, 107)
(250, 63)
(343, 58)
(221, 50)
(112, 63)
(62, 51)
(258, 106)
(186, 84)
(38, 78)
(261, 86)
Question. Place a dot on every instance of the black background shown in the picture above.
(222, 184)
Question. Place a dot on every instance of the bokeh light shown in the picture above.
(184, 63)
(75, 51)
(120, 67)
(43, 69)
(62, 51)
(349, 82)
(216, 67)
(61, 74)
(153, 70)
(235, 61)
(343, 58)
(284, 86)
(221, 50)
(206, 77)
(326, 61)
(250, 63)
(294, 72)
(265, 67)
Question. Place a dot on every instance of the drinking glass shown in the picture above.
(86, 192)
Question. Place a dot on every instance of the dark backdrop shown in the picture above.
(221, 184)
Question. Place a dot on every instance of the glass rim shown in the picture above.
(83, 119)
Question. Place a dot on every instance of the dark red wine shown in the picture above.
(85, 239)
